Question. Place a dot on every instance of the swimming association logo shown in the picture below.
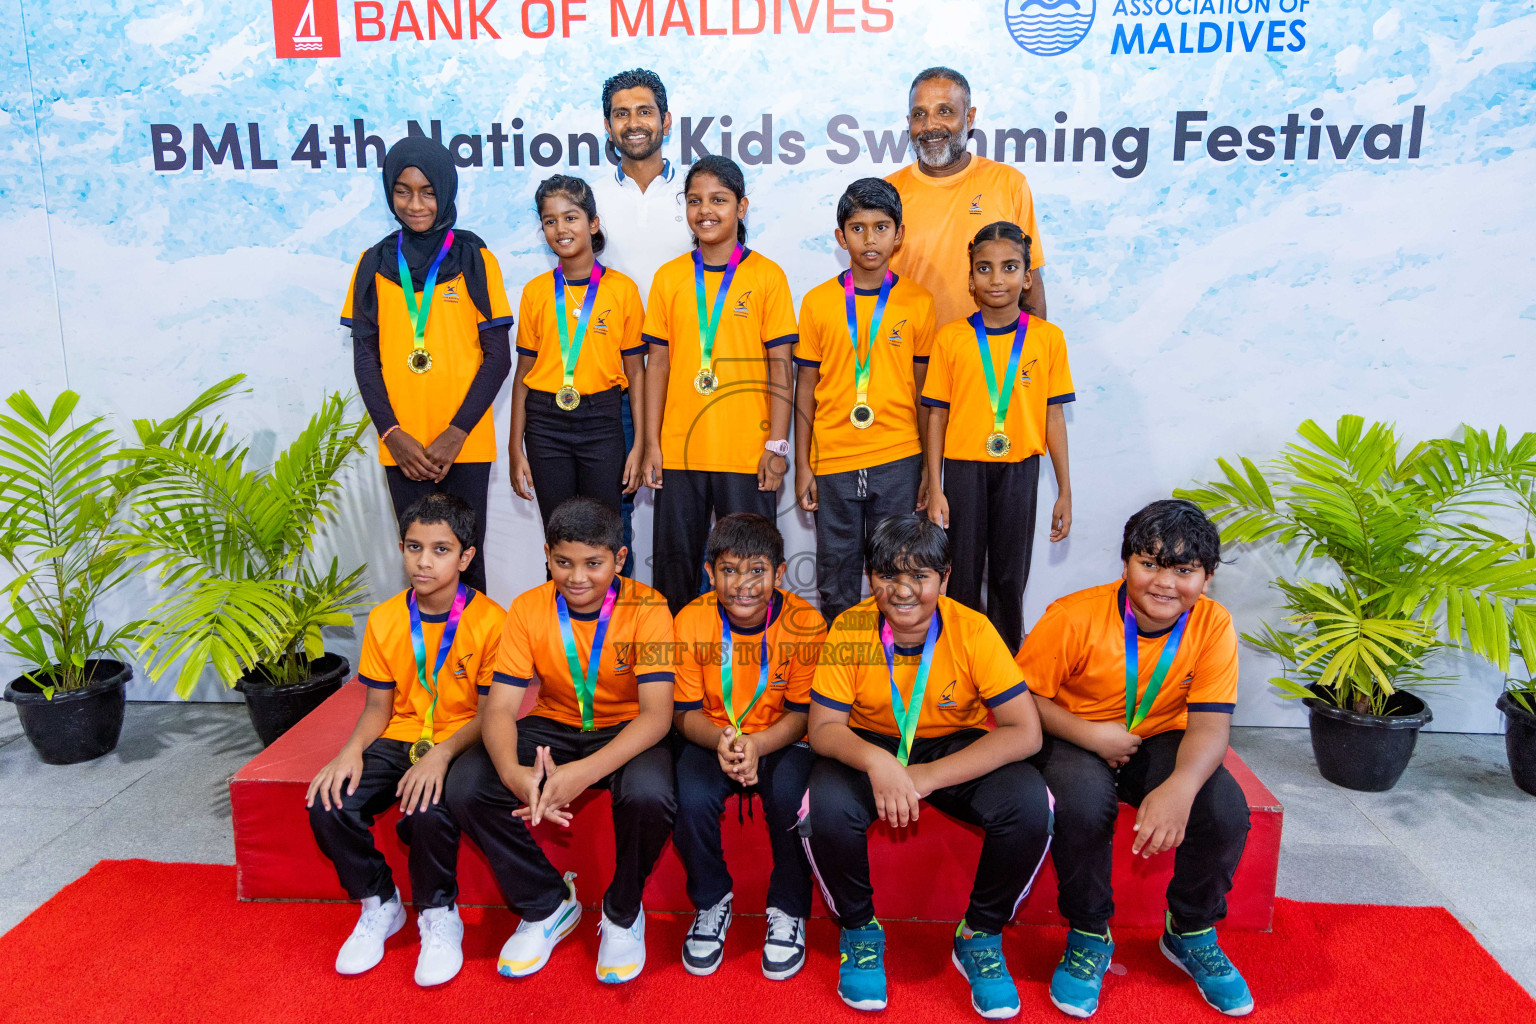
(306, 28)
(976, 203)
(894, 338)
(600, 322)
(741, 308)
(1047, 28)
(947, 698)
(1024, 372)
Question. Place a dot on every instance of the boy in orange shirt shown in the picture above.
(418, 718)
(899, 716)
(747, 651)
(601, 647)
(862, 356)
(1135, 682)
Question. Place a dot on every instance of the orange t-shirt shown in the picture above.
(389, 662)
(425, 403)
(957, 381)
(613, 332)
(942, 215)
(637, 649)
(725, 431)
(906, 337)
(971, 672)
(796, 631)
(1075, 656)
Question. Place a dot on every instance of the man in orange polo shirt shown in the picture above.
(948, 193)
(1135, 682)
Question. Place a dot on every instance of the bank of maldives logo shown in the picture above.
(1048, 27)
(306, 28)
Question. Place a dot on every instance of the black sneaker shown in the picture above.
(704, 945)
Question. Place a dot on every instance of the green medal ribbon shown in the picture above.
(1000, 398)
(1136, 713)
(907, 714)
(570, 348)
(710, 324)
(727, 668)
(420, 360)
(584, 680)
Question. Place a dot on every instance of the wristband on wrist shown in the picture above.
(385, 436)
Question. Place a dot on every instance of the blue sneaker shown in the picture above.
(861, 975)
(980, 959)
(1080, 973)
(1198, 955)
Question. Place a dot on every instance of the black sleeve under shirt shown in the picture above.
(495, 364)
(368, 368)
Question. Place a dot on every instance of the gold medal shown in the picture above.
(998, 445)
(567, 397)
(419, 749)
(705, 382)
(862, 416)
(419, 361)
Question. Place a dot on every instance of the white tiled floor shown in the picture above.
(1454, 832)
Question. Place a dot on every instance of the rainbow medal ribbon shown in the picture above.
(568, 397)
(420, 360)
(907, 714)
(863, 415)
(727, 668)
(419, 645)
(998, 444)
(1136, 713)
(585, 679)
(705, 382)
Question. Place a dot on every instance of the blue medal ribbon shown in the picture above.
(906, 714)
(1136, 712)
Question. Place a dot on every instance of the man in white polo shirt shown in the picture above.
(640, 202)
(640, 205)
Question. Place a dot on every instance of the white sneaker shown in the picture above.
(621, 951)
(529, 947)
(364, 948)
(442, 940)
(784, 948)
(704, 945)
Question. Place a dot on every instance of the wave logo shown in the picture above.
(1047, 28)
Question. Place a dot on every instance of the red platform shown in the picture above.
(919, 873)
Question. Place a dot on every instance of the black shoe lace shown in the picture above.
(989, 962)
(1211, 959)
(1083, 964)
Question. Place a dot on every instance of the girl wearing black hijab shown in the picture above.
(431, 355)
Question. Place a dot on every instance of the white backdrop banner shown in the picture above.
(1254, 211)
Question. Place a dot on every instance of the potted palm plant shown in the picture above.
(235, 546)
(1518, 702)
(1405, 564)
(63, 493)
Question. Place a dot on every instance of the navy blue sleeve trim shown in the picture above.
(651, 339)
(482, 690)
(1070, 396)
(814, 364)
(935, 403)
(377, 684)
(687, 705)
(502, 677)
(639, 350)
(654, 677)
(1007, 695)
(803, 709)
(919, 359)
(501, 321)
(527, 351)
(828, 702)
(346, 321)
(1219, 709)
(788, 339)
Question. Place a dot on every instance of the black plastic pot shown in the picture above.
(1519, 743)
(1365, 752)
(276, 709)
(77, 725)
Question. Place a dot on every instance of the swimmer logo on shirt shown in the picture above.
(741, 305)
(1024, 372)
(976, 204)
(1048, 28)
(895, 336)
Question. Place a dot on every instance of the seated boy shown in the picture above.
(899, 715)
(746, 654)
(601, 647)
(419, 716)
(1158, 747)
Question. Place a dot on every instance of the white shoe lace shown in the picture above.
(436, 930)
(707, 923)
(782, 928)
(374, 921)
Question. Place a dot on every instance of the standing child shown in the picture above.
(996, 385)
(863, 353)
(430, 357)
(747, 653)
(717, 397)
(1098, 663)
(600, 646)
(578, 348)
(417, 719)
(889, 740)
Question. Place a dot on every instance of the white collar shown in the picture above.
(667, 172)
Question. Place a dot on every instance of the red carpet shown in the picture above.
(137, 941)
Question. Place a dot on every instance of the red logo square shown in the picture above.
(306, 28)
